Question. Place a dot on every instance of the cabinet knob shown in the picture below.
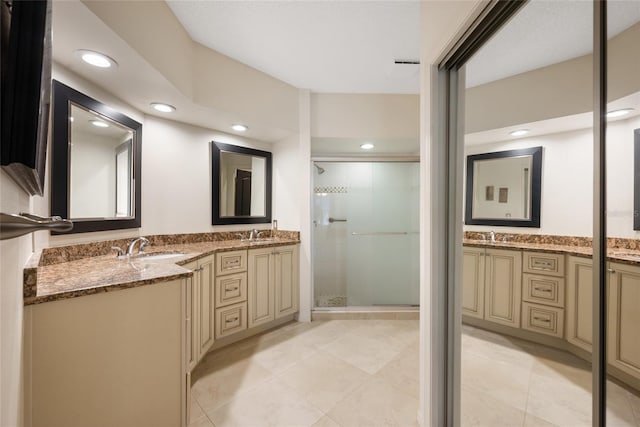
(611, 270)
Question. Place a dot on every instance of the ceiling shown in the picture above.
(325, 46)
(545, 32)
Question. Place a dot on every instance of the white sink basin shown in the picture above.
(159, 255)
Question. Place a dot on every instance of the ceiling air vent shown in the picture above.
(404, 68)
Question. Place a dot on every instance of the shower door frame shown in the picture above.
(351, 159)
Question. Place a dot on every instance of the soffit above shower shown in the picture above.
(329, 147)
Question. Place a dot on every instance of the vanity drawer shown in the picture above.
(543, 289)
(231, 262)
(231, 319)
(542, 263)
(231, 289)
(543, 319)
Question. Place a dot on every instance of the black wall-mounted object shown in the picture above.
(536, 188)
(217, 219)
(63, 98)
(636, 179)
(26, 90)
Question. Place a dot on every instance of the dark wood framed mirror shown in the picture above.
(636, 179)
(241, 185)
(96, 162)
(504, 188)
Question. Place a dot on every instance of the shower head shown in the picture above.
(320, 169)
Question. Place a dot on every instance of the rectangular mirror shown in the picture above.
(636, 179)
(241, 185)
(96, 159)
(503, 188)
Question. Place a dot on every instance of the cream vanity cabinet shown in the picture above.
(108, 359)
(491, 285)
(200, 311)
(623, 345)
(231, 293)
(543, 293)
(272, 284)
(579, 303)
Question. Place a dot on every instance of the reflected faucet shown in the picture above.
(144, 242)
(254, 234)
(492, 235)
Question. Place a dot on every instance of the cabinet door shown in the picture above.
(579, 302)
(503, 286)
(286, 280)
(473, 282)
(192, 316)
(261, 289)
(624, 318)
(206, 294)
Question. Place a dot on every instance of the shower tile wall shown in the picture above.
(367, 260)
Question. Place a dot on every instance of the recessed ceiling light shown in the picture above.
(96, 59)
(519, 132)
(367, 146)
(619, 113)
(240, 128)
(99, 123)
(164, 108)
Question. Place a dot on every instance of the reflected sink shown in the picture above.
(159, 255)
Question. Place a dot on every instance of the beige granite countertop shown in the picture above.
(106, 273)
(626, 256)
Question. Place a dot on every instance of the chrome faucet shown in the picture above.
(130, 247)
(254, 234)
(492, 235)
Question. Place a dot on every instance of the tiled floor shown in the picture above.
(323, 373)
(511, 382)
(365, 373)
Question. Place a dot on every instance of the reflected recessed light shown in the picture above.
(619, 113)
(96, 59)
(240, 128)
(164, 108)
(367, 146)
(519, 132)
(70, 119)
(99, 123)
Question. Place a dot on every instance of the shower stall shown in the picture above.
(365, 234)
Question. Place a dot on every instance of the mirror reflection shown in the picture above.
(100, 161)
(242, 185)
(503, 188)
(96, 162)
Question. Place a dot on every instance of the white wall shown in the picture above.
(93, 176)
(567, 181)
(13, 255)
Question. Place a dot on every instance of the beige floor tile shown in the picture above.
(322, 333)
(563, 366)
(481, 410)
(283, 354)
(533, 421)
(272, 403)
(323, 380)
(326, 421)
(619, 410)
(363, 352)
(196, 411)
(634, 401)
(376, 403)
(220, 381)
(403, 371)
(500, 380)
(201, 422)
(509, 351)
(559, 401)
(401, 333)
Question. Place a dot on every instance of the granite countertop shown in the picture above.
(626, 256)
(106, 273)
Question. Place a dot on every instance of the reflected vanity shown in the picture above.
(241, 190)
(503, 188)
(95, 163)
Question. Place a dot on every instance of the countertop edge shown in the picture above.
(30, 273)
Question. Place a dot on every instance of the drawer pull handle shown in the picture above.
(543, 290)
(611, 270)
(235, 319)
(542, 319)
(232, 289)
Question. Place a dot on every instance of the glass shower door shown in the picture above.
(366, 234)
